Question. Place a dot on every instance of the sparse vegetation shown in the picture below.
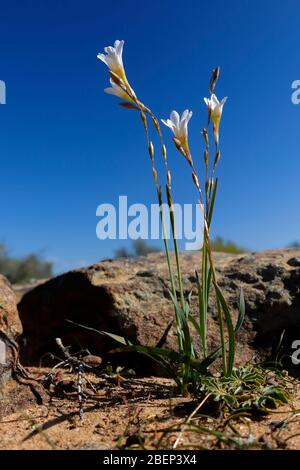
(23, 269)
(226, 246)
(140, 248)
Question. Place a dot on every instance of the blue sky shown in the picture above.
(66, 147)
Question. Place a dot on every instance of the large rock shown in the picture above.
(9, 318)
(10, 328)
(130, 297)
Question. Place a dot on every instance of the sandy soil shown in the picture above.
(131, 413)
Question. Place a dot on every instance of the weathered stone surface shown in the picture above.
(10, 327)
(9, 318)
(130, 297)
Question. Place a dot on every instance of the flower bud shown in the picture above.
(151, 150)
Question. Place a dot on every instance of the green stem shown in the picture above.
(203, 316)
(159, 197)
(220, 317)
(169, 195)
(182, 341)
(178, 269)
(178, 328)
(166, 246)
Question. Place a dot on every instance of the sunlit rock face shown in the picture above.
(130, 297)
(10, 328)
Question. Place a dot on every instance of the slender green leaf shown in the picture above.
(158, 355)
(212, 357)
(117, 338)
(241, 315)
(163, 337)
(202, 312)
(208, 284)
(196, 325)
(160, 352)
(278, 347)
(230, 330)
(184, 327)
(212, 203)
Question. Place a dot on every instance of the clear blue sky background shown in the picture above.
(66, 147)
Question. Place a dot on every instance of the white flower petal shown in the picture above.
(214, 99)
(109, 50)
(116, 90)
(110, 91)
(113, 59)
(174, 116)
(189, 115)
(101, 57)
(184, 114)
(168, 123)
(119, 47)
(171, 123)
(214, 103)
(179, 127)
(182, 130)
